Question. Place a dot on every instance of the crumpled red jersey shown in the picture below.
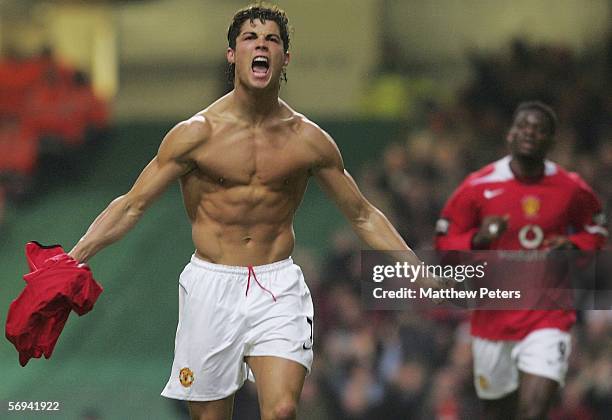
(55, 285)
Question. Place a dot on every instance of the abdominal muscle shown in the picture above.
(243, 226)
(242, 245)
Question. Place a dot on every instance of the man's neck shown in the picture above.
(527, 169)
(255, 106)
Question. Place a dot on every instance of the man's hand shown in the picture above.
(491, 228)
(559, 243)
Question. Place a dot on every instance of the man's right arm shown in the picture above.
(459, 227)
(174, 159)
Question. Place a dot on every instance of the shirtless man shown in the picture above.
(243, 164)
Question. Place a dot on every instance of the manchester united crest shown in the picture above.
(482, 382)
(186, 377)
(531, 206)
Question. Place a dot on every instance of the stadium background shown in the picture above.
(415, 93)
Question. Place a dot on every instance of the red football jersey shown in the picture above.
(560, 203)
(55, 285)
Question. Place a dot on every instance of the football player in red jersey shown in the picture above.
(522, 202)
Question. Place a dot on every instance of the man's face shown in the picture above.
(530, 135)
(259, 55)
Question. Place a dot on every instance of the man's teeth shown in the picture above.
(260, 65)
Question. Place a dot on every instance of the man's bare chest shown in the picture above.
(253, 159)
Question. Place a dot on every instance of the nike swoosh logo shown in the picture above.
(489, 194)
(306, 348)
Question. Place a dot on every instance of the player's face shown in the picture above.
(259, 55)
(530, 135)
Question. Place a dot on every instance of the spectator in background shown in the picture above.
(53, 115)
(49, 115)
(18, 157)
(405, 392)
(91, 112)
(19, 76)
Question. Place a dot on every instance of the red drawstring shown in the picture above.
(255, 277)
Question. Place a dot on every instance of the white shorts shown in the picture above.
(227, 313)
(543, 352)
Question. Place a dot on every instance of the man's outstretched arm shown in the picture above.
(369, 223)
(171, 162)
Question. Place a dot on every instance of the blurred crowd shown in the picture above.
(410, 365)
(48, 115)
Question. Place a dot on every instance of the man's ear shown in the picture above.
(231, 56)
(287, 59)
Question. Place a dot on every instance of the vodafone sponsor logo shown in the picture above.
(531, 236)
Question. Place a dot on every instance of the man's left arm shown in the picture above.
(588, 220)
(369, 223)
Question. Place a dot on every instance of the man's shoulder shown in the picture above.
(317, 139)
(299, 122)
(307, 130)
(185, 137)
(570, 180)
(494, 172)
(193, 129)
(314, 140)
(490, 177)
(482, 172)
(198, 122)
(216, 113)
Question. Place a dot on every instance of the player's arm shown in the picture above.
(171, 162)
(369, 223)
(460, 227)
(590, 229)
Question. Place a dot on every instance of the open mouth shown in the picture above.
(528, 145)
(260, 65)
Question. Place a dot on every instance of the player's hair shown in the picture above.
(543, 108)
(262, 11)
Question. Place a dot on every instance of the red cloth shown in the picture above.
(56, 284)
(560, 203)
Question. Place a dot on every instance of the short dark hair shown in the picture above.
(262, 11)
(543, 108)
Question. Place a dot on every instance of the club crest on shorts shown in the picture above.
(482, 382)
(186, 377)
